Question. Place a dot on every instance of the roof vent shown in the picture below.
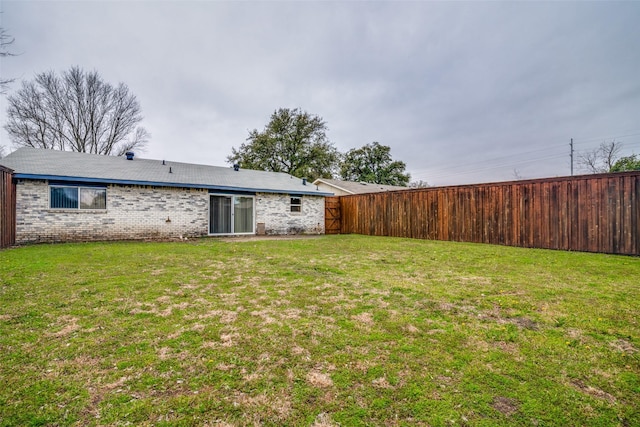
(304, 181)
(236, 167)
(129, 155)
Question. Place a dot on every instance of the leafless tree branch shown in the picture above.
(5, 41)
(77, 111)
(601, 159)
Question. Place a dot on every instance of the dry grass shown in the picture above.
(341, 330)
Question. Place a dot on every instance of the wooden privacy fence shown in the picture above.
(593, 213)
(7, 208)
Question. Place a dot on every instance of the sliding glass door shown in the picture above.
(242, 214)
(220, 215)
(231, 214)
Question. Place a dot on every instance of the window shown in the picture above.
(63, 197)
(296, 204)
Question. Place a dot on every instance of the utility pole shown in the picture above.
(571, 145)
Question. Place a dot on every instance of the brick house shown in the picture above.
(68, 196)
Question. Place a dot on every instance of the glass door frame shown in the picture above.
(233, 213)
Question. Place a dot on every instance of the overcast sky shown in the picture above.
(462, 92)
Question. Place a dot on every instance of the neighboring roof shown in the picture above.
(34, 163)
(357, 187)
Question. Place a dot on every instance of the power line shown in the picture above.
(449, 174)
(555, 150)
(603, 138)
(515, 158)
(447, 168)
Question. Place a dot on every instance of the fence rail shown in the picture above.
(7, 208)
(591, 213)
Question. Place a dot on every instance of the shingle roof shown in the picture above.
(33, 163)
(359, 187)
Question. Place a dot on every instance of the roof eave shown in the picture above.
(166, 184)
(333, 185)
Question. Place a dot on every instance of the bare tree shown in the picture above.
(75, 112)
(601, 159)
(5, 41)
(517, 176)
(419, 184)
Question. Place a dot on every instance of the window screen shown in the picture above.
(296, 204)
(77, 198)
(64, 197)
(93, 198)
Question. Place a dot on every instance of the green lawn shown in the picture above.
(336, 330)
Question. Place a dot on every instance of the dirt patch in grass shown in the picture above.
(381, 382)
(269, 406)
(509, 348)
(457, 308)
(228, 339)
(593, 391)
(319, 379)
(411, 329)
(226, 316)
(147, 308)
(70, 326)
(525, 323)
(265, 315)
(574, 334)
(364, 318)
(505, 405)
(169, 310)
(164, 353)
(165, 299)
(623, 346)
(324, 420)
(297, 350)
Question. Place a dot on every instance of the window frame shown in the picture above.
(232, 214)
(79, 189)
(293, 205)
